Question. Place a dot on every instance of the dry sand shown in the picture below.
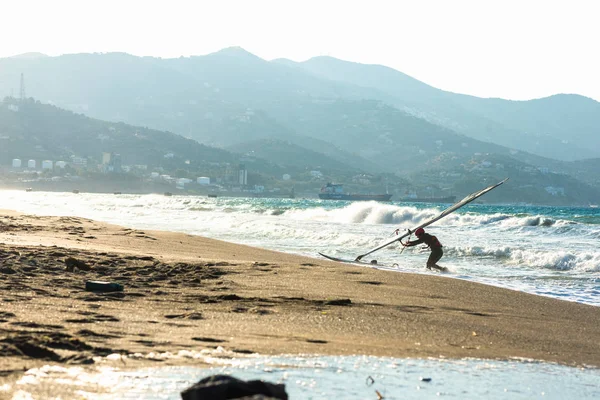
(189, 292)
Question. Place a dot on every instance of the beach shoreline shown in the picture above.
(185, 292)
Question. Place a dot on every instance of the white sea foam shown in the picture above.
(378, 213)
(561, 260)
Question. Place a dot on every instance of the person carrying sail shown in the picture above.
(433, 243)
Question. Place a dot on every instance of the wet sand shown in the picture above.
(186, 292)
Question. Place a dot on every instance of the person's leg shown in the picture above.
(434, 257)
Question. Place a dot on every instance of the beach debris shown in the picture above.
(72, 263)
(260, 264)
(223, 387)
(425, 379)
(40, 345)
(19, 346)
(338, 302)
(379, 395)
(101, 286)
(4, 315)
(192, 315)
(7, 270)
(208, 340)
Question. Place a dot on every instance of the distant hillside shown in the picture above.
(564, 127)
(527, 184)
(587, 171)
(31, 55)
(31, 130)
(371, 117)
(288, 154)
(395, 141)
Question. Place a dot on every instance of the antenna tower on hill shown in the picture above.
(22, 92)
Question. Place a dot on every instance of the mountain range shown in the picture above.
(333, 112)
(232, 90)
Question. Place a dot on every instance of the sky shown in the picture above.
(510, 49)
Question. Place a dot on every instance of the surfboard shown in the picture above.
(372, 264)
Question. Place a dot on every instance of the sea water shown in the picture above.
(548, 251)
(329, 377)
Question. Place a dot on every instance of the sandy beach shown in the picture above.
(189, 292)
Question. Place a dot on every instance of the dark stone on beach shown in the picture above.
(224, 387)
(229, 297)
(193, 315)
(5, 315)
(73, 263)
(25, 348)
(338, 302)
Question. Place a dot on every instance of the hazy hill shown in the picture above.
(31, 55)
(585, 170)
(32, 130)
(288, 154)
(381, 116)
(222, 99)
(300, 148)
(565, 127)
(212, 99)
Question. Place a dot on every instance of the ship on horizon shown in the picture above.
(335, 191)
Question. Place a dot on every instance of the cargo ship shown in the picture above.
(333, 191)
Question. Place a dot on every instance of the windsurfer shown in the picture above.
(433, 243)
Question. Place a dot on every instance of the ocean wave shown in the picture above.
(538, 221)
(388, 214)
(476, 251)
(559, 260)
(277, 211)
(200, 209)
(373, 213)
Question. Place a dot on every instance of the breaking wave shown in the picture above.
(559, 260)
(378, 213)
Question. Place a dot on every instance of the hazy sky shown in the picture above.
(490, 48)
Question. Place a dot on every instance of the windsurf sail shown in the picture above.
(447, 211)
